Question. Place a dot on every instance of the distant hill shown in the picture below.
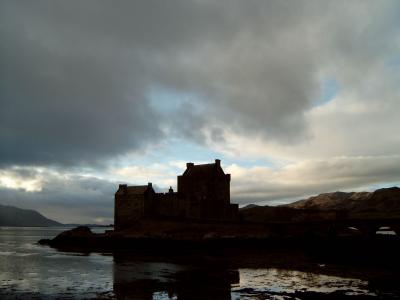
(382, 200)
(14, 216)
(87, 225)
(326, 201)
(283, 214)
(249, 206)
(383, 203)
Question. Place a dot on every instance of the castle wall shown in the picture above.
(168, 205)
(206, 198)
(128, 209)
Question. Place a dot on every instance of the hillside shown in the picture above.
(14, 216)
(327, 201)
(382, 200)
(383, 203)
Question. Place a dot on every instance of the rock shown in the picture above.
(78, 236)
(44, 242)
(80, 231)
(74, 234)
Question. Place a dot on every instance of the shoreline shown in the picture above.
(210, 267)
(379, 249)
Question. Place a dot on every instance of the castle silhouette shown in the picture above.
(203, 194)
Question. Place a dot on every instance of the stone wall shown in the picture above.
(130, 207)
(168, 205)
(205, 192)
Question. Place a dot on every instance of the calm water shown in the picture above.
(28, 270)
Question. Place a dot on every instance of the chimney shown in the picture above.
(123, 187)
(189, 165)
(170, 190)
(218, 162)
(150, 185)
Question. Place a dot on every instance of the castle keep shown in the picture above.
(203, 194)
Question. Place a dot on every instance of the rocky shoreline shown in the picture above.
(373, 260)
(380, 249)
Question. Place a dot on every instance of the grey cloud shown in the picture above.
(61, 100)
(313, 177)
(68, 199)
(75, 76)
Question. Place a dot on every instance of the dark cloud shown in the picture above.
(62, 100)
(75, 77)
(77, 82)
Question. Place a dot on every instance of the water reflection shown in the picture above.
(157, 280)
(148, 278)
(28, 270)
(291, 282)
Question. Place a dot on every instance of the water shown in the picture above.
(26, 267)
(29, 270)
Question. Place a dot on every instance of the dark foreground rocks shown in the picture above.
(379, 249)
(78, 238)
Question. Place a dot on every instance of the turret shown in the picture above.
(228, 177)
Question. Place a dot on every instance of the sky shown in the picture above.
(296, 98)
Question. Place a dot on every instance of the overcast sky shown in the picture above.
(295, 97)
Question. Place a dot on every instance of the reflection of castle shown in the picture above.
(203, 194)
(146, 279)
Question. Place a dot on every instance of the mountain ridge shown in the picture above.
(382, 203)
(19, 217)
(381, 200)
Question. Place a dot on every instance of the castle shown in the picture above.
(203, 194)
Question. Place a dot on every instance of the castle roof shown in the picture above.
(133, 190)
(204, 170)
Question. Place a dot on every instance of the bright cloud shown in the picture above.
(27, 179)
(310, 177)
